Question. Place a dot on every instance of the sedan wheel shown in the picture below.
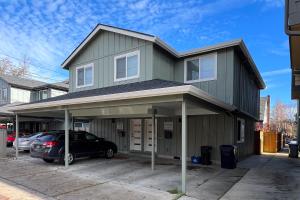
(70, 158)
(109, 153)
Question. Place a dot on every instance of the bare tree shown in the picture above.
(278, 116)
(291, 112)
(283, 118)
(9, 68)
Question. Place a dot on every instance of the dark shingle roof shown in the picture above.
(22, 82)
(131, 87)
(27, 83)
(62, 84)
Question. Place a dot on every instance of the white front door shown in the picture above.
(148, 135)
(136, 134)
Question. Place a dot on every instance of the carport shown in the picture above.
(149, 99)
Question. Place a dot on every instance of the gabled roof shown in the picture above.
(235, 43)
(22, 82)
(31, 84)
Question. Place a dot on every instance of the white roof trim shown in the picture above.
(110, 29)
(186, 89)
(211, 48)
(165, 46)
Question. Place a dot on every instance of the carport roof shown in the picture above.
(130, 87)
(143, 89)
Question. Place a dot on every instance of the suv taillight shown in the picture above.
(50, 144)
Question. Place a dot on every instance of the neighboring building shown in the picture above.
(292, 29)
(16, 90)
(120, 78)
(265, 110)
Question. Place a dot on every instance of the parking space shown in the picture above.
(124, 176)
(130, 177)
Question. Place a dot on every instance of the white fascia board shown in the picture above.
(107, 98)
(127, 32)
(110, 29)
(211, 48)
(167, 47)
(176, 90)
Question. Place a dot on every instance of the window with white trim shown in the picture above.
(4, 94)
(203, 68)
(85, 75)
(240, 130)
(43, 94)
(127, 66)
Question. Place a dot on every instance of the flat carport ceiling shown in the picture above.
(162, 109)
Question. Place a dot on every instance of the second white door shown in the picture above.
(148, 135)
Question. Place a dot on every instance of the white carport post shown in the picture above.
(66, 138)
(17, 136)
(153, 141)
(183, 148)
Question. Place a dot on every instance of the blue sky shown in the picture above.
(47, 31)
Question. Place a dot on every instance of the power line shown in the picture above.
(30, 64)
(32, 73)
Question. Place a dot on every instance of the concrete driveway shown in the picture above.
(131, 178)
(273, 176)
(120, 178)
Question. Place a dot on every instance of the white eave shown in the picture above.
(176, 90)
(168, 48)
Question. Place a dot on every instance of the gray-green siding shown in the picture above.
(246, 93)
(247, 147)
(213, 130)
(222, 88)
(163, 65)
(102, 50)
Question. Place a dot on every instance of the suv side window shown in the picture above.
(90, 137)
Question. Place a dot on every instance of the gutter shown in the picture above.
(175, 90)
(286, 21)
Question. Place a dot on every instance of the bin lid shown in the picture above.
(293, 143)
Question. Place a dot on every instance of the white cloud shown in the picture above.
(47, 31)
(281, 49)
(276, 72)
(273, 3)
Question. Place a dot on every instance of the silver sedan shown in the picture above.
(25, 141)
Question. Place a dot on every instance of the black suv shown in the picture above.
(51, 146)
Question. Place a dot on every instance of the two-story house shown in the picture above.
(142, 94)
(16, 90)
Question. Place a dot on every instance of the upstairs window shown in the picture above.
(240, 130)
(203, 68)
(43, 94)
(4, 94)
(127, 66)
(85, 75)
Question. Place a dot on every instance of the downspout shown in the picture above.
(298, 121)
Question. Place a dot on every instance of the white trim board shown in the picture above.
(165, 46)
(176, 90)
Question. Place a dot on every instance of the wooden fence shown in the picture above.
(272, 142)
